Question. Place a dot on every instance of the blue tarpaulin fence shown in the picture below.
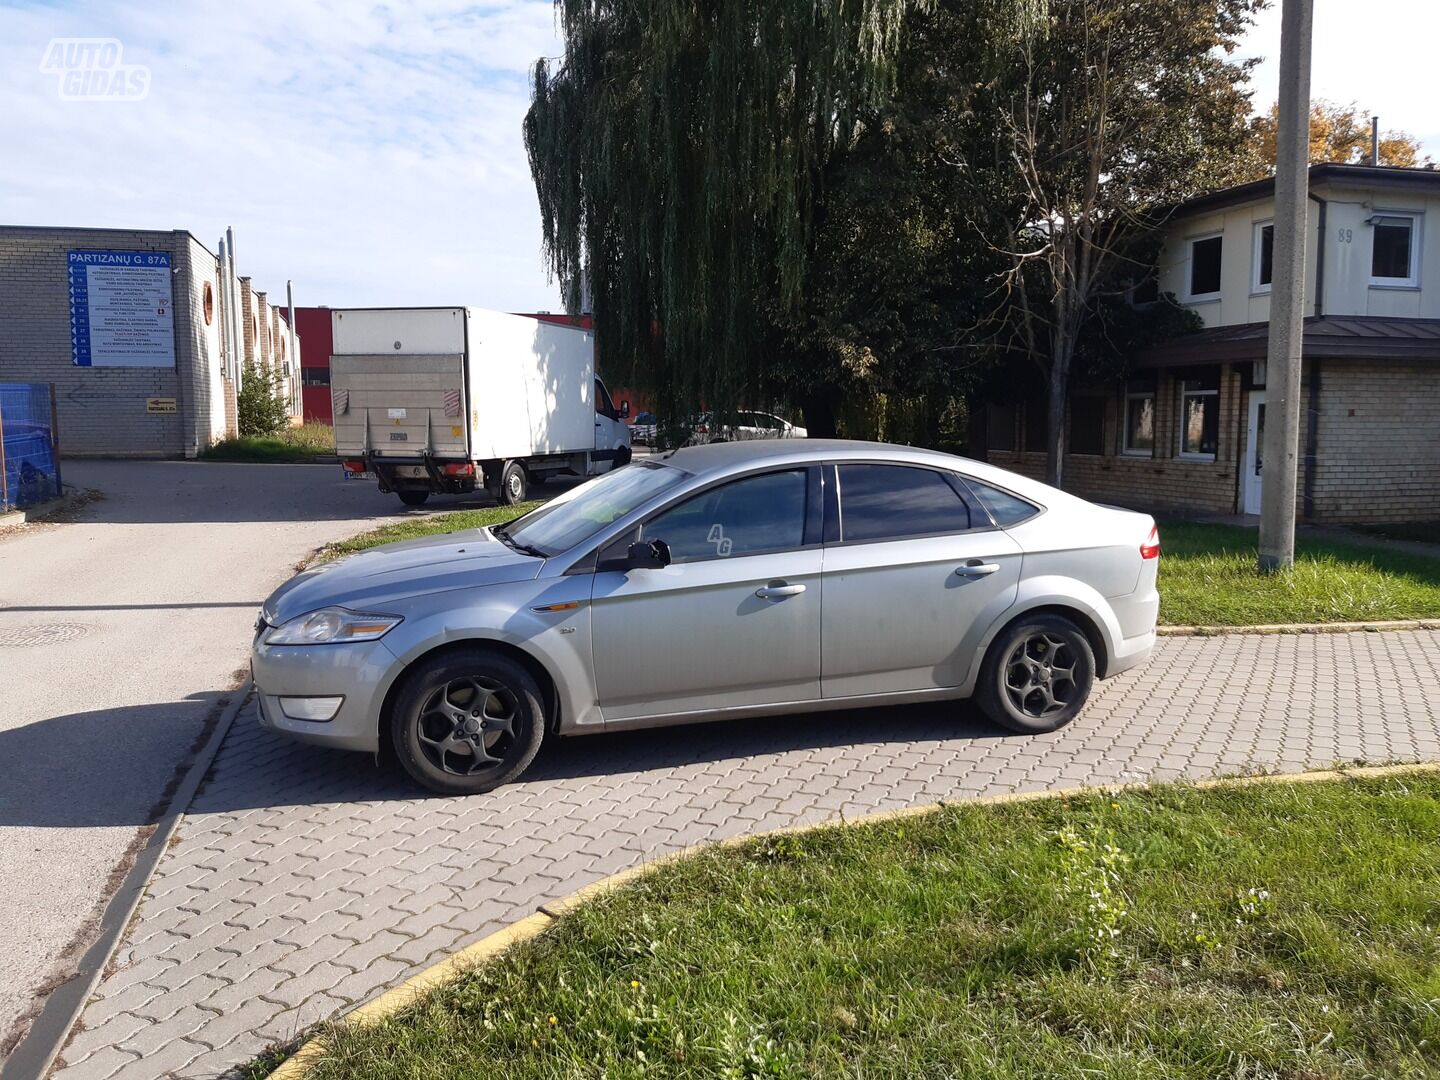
(29, 447)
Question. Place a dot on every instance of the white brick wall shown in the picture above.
(102, 409)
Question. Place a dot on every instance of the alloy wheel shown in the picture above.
(1040, 674)
(467, 726)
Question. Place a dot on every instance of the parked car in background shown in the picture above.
(763, 425)
(688, 587)
(747, 424)
(643, 429)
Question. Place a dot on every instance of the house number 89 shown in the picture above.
(1344, 236)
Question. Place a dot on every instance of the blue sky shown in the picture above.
(372, 152)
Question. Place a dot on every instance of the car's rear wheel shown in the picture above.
(413, 497)
(1037, 675)
(468, 722)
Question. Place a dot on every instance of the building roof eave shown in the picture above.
(1359, 337)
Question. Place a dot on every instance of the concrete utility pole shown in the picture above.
(1287, 293)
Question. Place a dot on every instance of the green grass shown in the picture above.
(1208, 578)
(414, 528)
(1424, 532)
(293, 444)
(1279, 931)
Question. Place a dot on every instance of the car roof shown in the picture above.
(719, 458)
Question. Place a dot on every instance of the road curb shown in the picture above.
(1300, 628)
(29, 515)
(36, 1053)
(404, 994)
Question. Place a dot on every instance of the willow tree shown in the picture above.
(678, 151)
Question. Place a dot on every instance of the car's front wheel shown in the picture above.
(468, 722)
(1037, 675)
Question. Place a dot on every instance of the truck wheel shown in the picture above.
(512, 483)
(622, 457)
(413, 497)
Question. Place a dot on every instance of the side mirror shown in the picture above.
(647, 555)
(625, 409)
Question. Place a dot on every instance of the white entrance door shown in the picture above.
(1254, 447)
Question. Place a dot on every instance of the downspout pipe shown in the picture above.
(238, 340)
(1313, 376)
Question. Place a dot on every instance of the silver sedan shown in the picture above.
(729, 580)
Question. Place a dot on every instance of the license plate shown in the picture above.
(357, 475)
(399, 436)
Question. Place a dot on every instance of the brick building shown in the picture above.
(1183, 432)
(130, 326)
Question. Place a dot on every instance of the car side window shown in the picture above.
(744, 517)
(1005, 508)
(892, 502)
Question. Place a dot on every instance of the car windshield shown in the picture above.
(580, 513)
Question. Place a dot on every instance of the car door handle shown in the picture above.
(778, 590)
(976, 568)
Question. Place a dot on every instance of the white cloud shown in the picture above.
(1379, 55)
(372, 154)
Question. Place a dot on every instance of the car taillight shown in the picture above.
(355, 466)
(702, 429)
(466, 469)
(1150, 549)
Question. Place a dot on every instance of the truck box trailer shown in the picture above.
(448, 399)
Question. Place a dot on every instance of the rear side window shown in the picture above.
(1005, 508)
(891, 502)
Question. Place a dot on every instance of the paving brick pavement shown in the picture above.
(306, 881)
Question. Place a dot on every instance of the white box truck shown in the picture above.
(449, 399)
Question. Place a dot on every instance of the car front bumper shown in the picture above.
(359, 672)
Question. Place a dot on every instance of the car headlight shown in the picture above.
(331, 626)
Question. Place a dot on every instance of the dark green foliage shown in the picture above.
(679, 154)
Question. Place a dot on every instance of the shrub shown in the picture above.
(261, 406)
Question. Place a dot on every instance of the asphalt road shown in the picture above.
(122, 630)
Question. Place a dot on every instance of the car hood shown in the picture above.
(371, 579)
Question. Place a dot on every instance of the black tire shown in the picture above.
(413, 497)
(1037, 675)
(513, 483)
(438, 725)
(622, 457)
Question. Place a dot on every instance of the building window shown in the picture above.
(1000, 427)
(1087, 425)
(1037, 426)
(1140, 423)
(1393, 255)
(1264, 257)
(314, 376)
(207, 303)
(1199, 419)
(1205, 268)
